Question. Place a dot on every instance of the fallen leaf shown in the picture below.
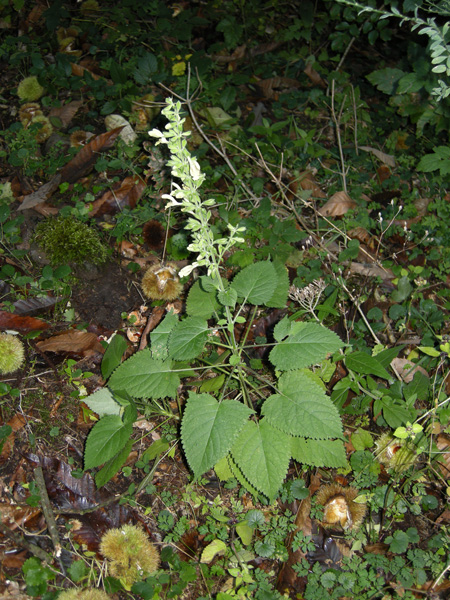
(34, 306)
(86, 158)
(67, 112)
(113, 201)
(337, 205)
(73, 341)
(19, 323)
(315, 77)
(387, 159)
(369, 270)
(307, 181)
(407, 369)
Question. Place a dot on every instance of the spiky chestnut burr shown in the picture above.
(45, 130)
(130, 554)
(29, 89)
(339, 507)
(395, 453)
(12, 353)
(161, 282)
(28, 111)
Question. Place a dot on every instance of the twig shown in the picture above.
(21, 541)
(48, 514)
(336, 121)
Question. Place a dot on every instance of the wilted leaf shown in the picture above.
(113, 201)
(86, 158)
(387, 159)
(314, 76)
(127, 133)
(32, 306)
(407, 369)
(337, 205)
(67, 112)
(41, 194)
(22, 324)
(76, 342)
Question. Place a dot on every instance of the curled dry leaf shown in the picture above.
(364, 237)
(307, 181)
(369, 270)
(387, 159)
(20, 323)
(407, 369)
(67, 112)
(126, 196)
(337, 205)
(315, 77)
(76, 342)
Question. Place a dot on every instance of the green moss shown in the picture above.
(69, 241)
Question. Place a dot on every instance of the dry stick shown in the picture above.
(337, 121)
(21, 541)
(48, 514)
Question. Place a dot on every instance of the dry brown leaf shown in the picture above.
(315, 77)
(443, 445)
(337, 205)
(22, 324)
(86, 158)
(273, 85)
(126, 196)
(387, 159)
(364, 237)
(79, 71)
(42, 194)
(368, 270)
(407, 369)
(67, 112)
(76, 342)
(307, 181)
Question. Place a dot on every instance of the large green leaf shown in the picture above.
(113, 355)
(302, 408)
(262, 453)
(201, 303)
(237, 473)
(143, 377)
(103, 403)
(363, 363)
(319, 453)
(108, 471)
(256, 283)
(307, 344)
(159, 337)
(188, 338)
(209, 429)
(105, 440)
(279, 297)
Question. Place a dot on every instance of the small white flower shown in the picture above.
(194, 168)
(187, 270)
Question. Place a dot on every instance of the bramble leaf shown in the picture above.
(262, 453)
(105, 440)
(209, 429)
(256, 283)
(103, 403)
(142, 376)
(188, 338)
(201, 303)
(279, 297)
(302, 408)
(159, 337)
(319, 453)
(307, 344)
